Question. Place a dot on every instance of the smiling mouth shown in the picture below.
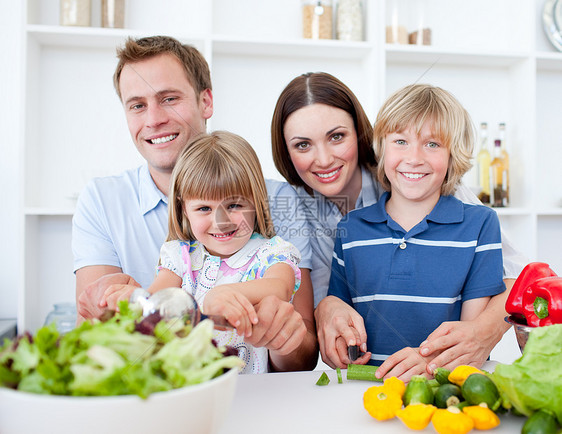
(413, 175)
(223, 236)
(327, 175)
(160, 140)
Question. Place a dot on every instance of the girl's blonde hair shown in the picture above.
(217, 166)
(413, 106)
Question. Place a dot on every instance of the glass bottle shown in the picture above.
(498, 178)
(505, 156)
(483, 162)
(349, 20)
(421, 34)
(396, 26)
(113, 13)
(317, 19)
(64, 317)
(75, 12)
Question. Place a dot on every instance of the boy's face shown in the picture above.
(416, 165)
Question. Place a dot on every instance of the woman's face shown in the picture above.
(322, 144)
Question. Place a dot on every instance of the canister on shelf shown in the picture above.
(396, 30)
(349, 20)
(113, 13)
(75, 12)
(317, 19)
(421, 34)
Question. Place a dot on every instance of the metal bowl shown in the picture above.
(521, 331)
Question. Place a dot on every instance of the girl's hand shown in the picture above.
(115, 293)
(225, 301)
(404, 364)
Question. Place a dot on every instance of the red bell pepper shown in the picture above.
(542, 302)
(531, 273)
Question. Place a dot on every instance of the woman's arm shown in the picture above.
(469, 342)
(291, 333)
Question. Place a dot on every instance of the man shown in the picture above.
(121, 222)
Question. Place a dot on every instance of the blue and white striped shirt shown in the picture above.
(405, 284)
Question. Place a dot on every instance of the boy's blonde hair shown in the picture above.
(217, 166)
(413, 106)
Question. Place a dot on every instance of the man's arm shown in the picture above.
(91, 283)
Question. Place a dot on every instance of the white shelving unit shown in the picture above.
(492, 55)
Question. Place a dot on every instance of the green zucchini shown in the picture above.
(541, 422)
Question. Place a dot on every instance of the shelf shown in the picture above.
(549, 61)
(513, 211)
(551, 212)
(396, 53)
(296, 48)
(49, 212)
(91, 37)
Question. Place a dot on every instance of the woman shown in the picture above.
(322, 145)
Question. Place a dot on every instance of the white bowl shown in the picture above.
(201, 408)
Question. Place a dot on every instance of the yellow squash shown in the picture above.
(416, 416)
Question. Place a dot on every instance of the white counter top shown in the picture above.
(292, 403)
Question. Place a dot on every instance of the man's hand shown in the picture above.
(339, 326)
(88, 301)
(280, 327)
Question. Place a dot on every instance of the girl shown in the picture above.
(221, 246)
(430, 258)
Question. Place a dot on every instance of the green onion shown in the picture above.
(338, 371)
(323, 380)
(362, 372)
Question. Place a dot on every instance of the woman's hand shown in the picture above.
(339, 326)
(456, 343)
(280, 327)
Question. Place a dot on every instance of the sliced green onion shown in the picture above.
(362, 372)
(338, 371)
(323, 380)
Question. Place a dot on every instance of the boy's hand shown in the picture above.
(404, 364)
(233, 306)
(115, 293)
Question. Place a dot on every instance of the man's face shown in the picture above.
(162, 110)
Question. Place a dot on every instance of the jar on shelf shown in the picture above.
(75, 12)
(113, 13)
(396, 22)
(421, 32)
(349, 20)
(64, 317)
(317, 19)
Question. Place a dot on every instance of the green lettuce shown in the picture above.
(113, 357)
(534, 381)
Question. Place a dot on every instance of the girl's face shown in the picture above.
(322, 144)
(415, 165)
(222, 226)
